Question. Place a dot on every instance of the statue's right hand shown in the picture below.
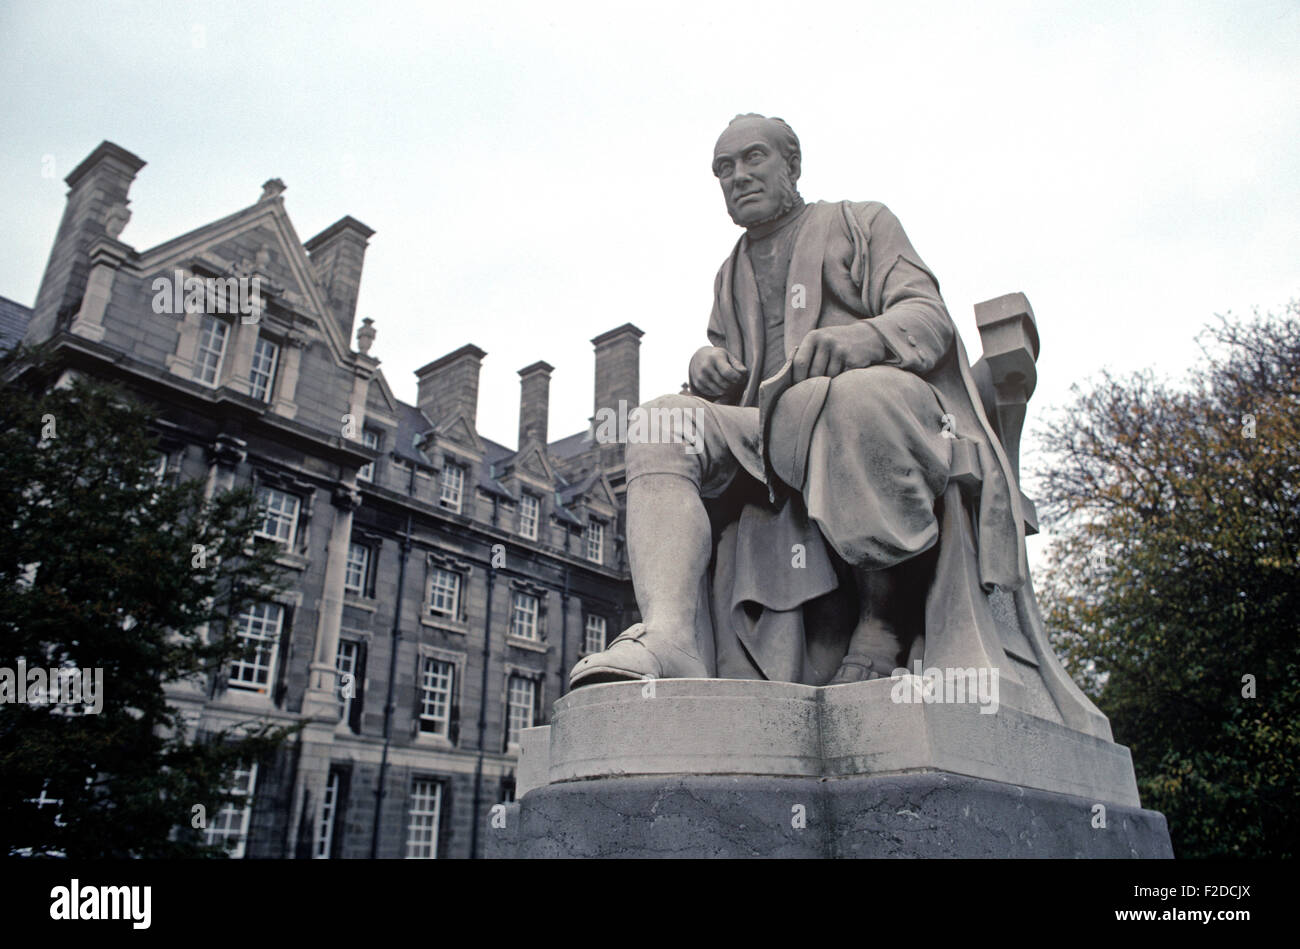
(714, 371)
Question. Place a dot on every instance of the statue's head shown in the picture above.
(757, 161)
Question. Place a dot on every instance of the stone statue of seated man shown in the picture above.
(791, 534)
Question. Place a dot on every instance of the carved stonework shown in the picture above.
(366, 336)
(346, 499)
(228, 450)
(116, 220)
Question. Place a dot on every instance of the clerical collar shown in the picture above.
(759, 231)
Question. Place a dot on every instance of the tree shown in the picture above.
(105, 566)
(1174, 582)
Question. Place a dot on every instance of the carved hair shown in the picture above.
(787, 141)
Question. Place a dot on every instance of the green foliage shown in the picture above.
(98, 570)
(1175, 573)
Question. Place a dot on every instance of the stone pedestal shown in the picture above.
(747, 768)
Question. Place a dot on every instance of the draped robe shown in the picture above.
(852, 261)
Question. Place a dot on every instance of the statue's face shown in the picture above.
(757, 182)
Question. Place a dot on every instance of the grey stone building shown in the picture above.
(442, 584)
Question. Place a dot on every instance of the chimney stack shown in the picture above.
(337, 254)
(618, 367)
(96, 208)
(449, 386)
(534, 402)
(618, 378)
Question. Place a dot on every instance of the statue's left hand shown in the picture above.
(835, 349)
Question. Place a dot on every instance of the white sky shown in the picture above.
(539, 173)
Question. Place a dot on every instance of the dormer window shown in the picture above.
(595, 541)
(529, 509)
(451, 487)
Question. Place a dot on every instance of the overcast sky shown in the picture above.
(539, 173)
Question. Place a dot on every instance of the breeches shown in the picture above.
(870, 459)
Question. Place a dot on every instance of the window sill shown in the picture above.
(444, 624)
(293, 561)
(430, 740)
(284, 557)
(532, 645)
(359, 602)
(246, 698)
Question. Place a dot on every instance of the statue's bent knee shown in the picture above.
(863, 400)
(663, 437)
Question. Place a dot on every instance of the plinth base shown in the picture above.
(928, 814)
(747, 768)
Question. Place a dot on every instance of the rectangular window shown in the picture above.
(422, 827)
(523, 616)
(593, 639)
(213, 334)
(451, 487)
(229, 826)
(346, 663)
(521, 695)
(329, 807)
(596, 541)
(370, 439)
(281, 518)
(261, 376)
(444, 593)
(259, 628)
(435, 697)
(528, 511)
(356, 577)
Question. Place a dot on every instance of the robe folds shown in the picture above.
(851, 261)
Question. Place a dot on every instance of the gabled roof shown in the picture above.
(268, 212)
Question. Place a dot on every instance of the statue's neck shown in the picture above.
(773, 224)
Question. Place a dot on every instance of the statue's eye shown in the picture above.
(724, 169)
(754, 156)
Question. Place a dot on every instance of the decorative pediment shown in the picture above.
(456, 432)
(445, 560)
(258, 241)
(533, 467)
(596, 498)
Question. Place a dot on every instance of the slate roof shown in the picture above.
(570, 445)
(14, 318)
(411, 424)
